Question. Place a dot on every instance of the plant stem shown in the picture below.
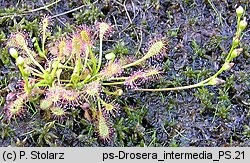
(202, 83)
(119, 78)
(33, 60)
(38, 75)
(53, 72)
(133, 63)
(66, 67)
(99, 104)
(26, 80)
(35, 70)
(100, 56)
(86, 59)
(93, 60)
(228, 59)
(114, 83)
(43, 42)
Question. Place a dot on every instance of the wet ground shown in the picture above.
(198, 35)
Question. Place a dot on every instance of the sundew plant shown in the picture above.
(73, 73)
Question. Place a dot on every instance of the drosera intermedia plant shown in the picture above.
(68, 74)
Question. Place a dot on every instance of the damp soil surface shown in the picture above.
(198, 35)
